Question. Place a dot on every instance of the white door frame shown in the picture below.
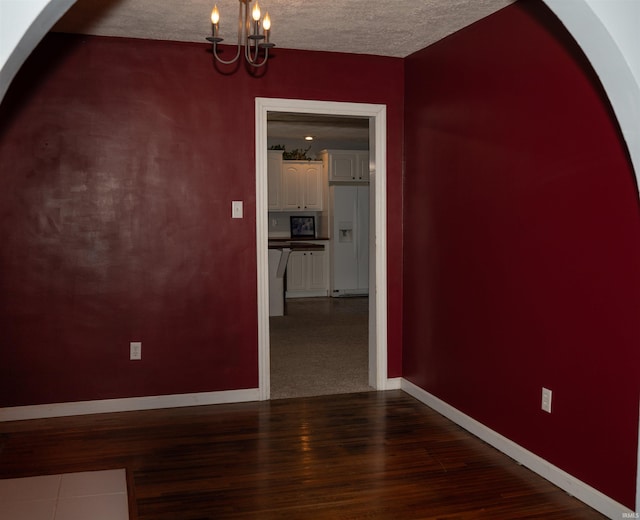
(377, 115)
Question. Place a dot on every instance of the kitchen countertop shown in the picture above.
(295, 245)
(285, 239)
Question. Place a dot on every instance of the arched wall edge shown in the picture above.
(602, 30)
(22, 26)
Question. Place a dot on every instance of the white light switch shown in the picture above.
(546, 399)
(135, 350)
(236, 209)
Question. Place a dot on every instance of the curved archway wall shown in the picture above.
(601, 28)
(521, 249)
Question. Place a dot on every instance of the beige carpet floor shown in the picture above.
(320, 347)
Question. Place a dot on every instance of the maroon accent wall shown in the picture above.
(119, 161)
(522, 244)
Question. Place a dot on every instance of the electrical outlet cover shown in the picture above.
(236, 209)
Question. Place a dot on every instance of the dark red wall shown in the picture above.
(522, 245)
(119, 161)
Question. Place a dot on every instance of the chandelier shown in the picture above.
(256, 44)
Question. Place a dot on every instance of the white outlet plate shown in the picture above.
(236, 209)
(135, 350)
(546, 399)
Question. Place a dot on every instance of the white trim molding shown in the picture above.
(638, 468)
(583, 492)
(377, 115)
(128, 404)
(393, 383)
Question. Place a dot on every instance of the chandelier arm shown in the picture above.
(263, 62)
(247, 21)
(225, 62)
(215, 47)
(248, 53)
(252, 47)
(252, 57)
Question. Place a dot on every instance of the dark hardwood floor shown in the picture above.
(372, 455)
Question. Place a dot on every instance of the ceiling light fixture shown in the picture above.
(249, 34)
(308, 138)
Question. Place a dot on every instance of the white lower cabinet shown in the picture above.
(307, 274)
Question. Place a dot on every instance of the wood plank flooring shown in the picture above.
(371, 455)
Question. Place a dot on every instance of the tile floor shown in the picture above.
(95, 495)
(320, 347)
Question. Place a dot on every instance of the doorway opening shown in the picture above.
(377, 334)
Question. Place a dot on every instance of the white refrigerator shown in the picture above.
(349, 221)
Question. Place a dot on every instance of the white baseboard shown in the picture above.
(130, 404)
(587, 494)
(393, 383)
(45, 411)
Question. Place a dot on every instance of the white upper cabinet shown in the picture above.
(362, 166)
(346, 165)
(302, 186)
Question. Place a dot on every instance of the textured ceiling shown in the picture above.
(392, 28)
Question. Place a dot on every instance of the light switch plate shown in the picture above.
(236, 209)
(135, 350)
(546, 399)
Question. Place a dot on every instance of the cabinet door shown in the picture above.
(274, 179)
(348, 165)
(362, 165)
(317, 270)
(291, 191)
(342, 166)
(312, 186)
(296, 271)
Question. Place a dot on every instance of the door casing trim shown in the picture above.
(377, 115)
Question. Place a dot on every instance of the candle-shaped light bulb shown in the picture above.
(266, 23)
(215, 15)
(256, 13)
